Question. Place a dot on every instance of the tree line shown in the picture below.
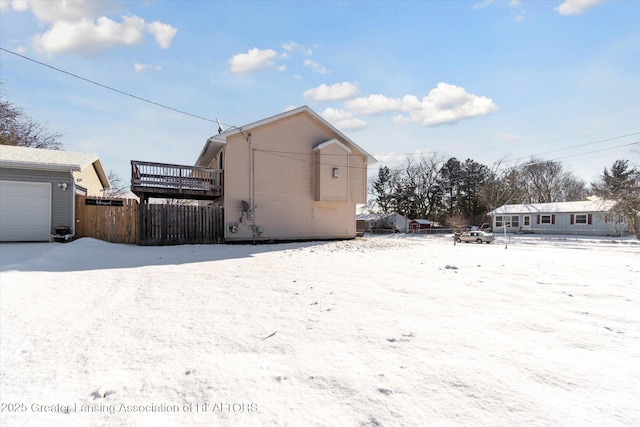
(458, 193)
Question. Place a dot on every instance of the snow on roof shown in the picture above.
(45, 159)
(422, 221)
(377, 217)
(592, 205)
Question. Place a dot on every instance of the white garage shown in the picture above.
(25, 211)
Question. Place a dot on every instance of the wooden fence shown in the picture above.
(112, 220)
(180, 224)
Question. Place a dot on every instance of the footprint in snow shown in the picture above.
(101, 393)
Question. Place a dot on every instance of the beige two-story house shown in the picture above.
(292, 176)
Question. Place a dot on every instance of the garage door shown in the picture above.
(25, 211)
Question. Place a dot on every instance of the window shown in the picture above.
(498, 221)
(527, 221)
(545, 219)
(581, 219)
(515, 221)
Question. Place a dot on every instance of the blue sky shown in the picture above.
(487, 80)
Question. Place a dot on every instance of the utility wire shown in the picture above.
(111, 88)
(283, 152)
(583, 145)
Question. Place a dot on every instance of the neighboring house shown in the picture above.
(38, 188)
(292, 176)
(588, 217)
(420, 225)
(393, 221)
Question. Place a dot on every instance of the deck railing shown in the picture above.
(178, 178)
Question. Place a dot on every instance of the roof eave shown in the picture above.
(370, 160)
(39, 166)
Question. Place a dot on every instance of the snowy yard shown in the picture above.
(380, 331)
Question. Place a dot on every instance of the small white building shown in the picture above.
(588, 217)
(393, 222)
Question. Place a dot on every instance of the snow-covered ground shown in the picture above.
(380, 331)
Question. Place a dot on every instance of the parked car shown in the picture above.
(475, 236)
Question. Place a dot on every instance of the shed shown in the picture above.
(420, 225)
(38, 188)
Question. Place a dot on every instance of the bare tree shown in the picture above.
(457, 221)
(418, 193)
(548, 182)
(181, 202)
(119, 188)
(503, 186)
(17, 128)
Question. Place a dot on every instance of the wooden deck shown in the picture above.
(163, 180)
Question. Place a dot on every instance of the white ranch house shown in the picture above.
(588, 217)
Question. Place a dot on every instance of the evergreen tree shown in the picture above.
(622, 185)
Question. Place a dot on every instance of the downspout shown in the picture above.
(349, 198)
(251, 184)
(250, 171)
(73, 204)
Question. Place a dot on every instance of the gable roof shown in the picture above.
(53, 160)
(378, 217)
(216, 142)
(596, 205)
(422, 221)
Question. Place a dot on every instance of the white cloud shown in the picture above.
(445, 104)
(334, 92)
(164, 33)
(393, 157)
(485, 3)
(509, 137)
(520, 16)
(289, 46)
(251, 61)
(81, 26)
(576, 7)
(53, 11)
(293, 46)
(281, 68)
(88, 37)
(315, 67)
(342, 119)
(144, 67)
(374, 104)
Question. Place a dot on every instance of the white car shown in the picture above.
(475, 236)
